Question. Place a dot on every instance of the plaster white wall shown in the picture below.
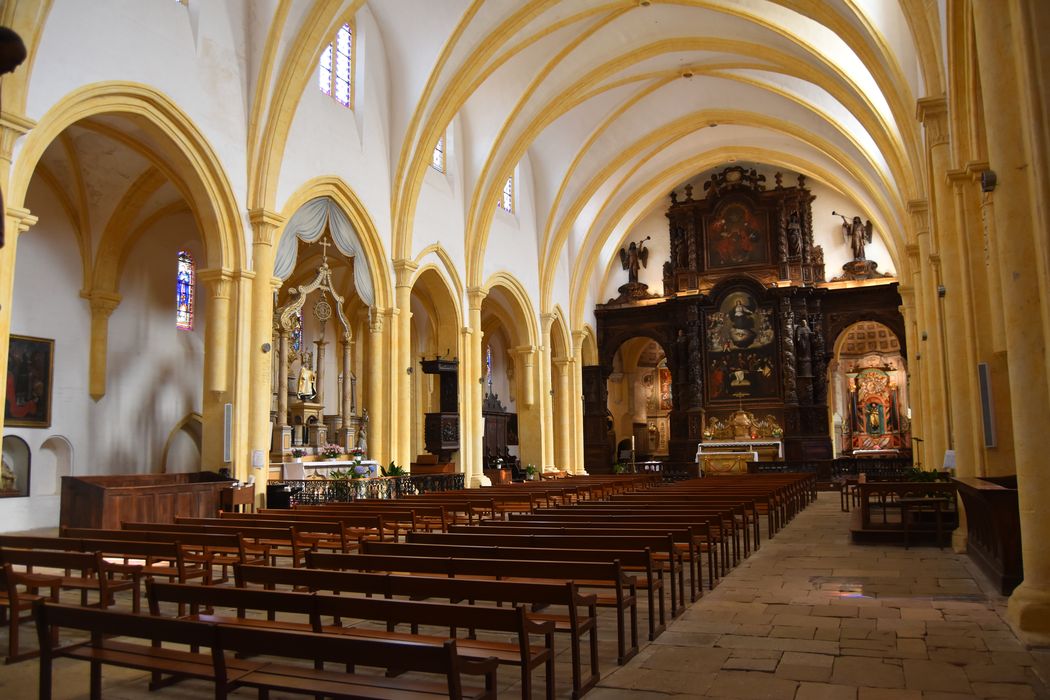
(47, 305)
(327, 138)
(513, 238)
(153, 43)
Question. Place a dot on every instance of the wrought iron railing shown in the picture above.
(318, 491)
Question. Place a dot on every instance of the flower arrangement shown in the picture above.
(298, 453)
(331, 451)
(357, 452)
(531, 472)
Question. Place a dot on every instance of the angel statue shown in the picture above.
(634, 257)
(856, 233)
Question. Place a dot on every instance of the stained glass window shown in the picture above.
(297, 332)
(185, 281)
(437, 161)
(334, 75)
(506, 198)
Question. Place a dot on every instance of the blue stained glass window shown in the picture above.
(185, 282)
(297, 332)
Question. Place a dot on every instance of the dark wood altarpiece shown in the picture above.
(744, 321)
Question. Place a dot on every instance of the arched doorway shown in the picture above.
(869, 407)
(640, 400)
(435, 335)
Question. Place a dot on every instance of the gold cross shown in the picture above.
(324, 246)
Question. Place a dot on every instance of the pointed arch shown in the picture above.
(183, 146)
(375, 256)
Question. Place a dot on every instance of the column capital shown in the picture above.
(12, 126)
(476, 295)
(219, 280)
(264, 225)
(563, 362)
(527, 352)
(933, 113)
(103, 302)
(912, 250)
(958, 177)
(404, 269)
(976, 167)
(546, 321)
(22, 218)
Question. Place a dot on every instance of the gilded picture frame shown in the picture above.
(28, 393)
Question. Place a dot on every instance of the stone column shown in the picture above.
(346, 408)
(576, 401)
(404, 270)
(915, 392)
(473, 427)
(1009, 56)
(264, 243)
(466, 397)
(103, 304)
(546, 392)
(377, 415)
(319, 366)
(216, 328)
(563, 440)
(282, 434)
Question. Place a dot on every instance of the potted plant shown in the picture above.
(331, 451)
(531, 472)
(297, 454)
(620, 468)
(394, 470)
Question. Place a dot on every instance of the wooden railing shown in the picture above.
(993, 528)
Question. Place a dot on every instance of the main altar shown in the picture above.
(746, 323)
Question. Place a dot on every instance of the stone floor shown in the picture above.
(808, 615)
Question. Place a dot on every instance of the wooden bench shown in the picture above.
(520, 653)
(647, 572)
(455, 590)
(205, 549)
(79, 571)
(623, 599)
(228, 672)
(659, 545)
(14, 602)
(158, 559)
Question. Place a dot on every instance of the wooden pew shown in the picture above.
(95, 573)
(647, 571)
(659, 545)
(15, 602)
(623, 599)
(688, 541)
(229, 672)
(520, 653)
(158, 559)
(205, 548)
(423, 587)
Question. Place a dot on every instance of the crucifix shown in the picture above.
(324, 248)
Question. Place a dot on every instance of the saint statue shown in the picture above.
(307, 386)
(362, 432)
(633, 258)
(856, 233)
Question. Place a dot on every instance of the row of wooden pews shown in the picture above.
(547, 555)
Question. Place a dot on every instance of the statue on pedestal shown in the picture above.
(307, 385)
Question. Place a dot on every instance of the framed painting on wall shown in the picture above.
(30, 365)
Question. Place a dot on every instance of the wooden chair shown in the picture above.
(14, 602)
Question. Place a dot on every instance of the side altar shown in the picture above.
(301, 413)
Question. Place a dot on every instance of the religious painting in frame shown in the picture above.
(665, 388)
(741, 346)
(30, 365)
(737, 236)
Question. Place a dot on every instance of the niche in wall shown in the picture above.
(14, 478)
(54, 460)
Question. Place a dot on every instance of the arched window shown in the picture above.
(437, 161)
(334, 75)
(185, 282)
(506, 198)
